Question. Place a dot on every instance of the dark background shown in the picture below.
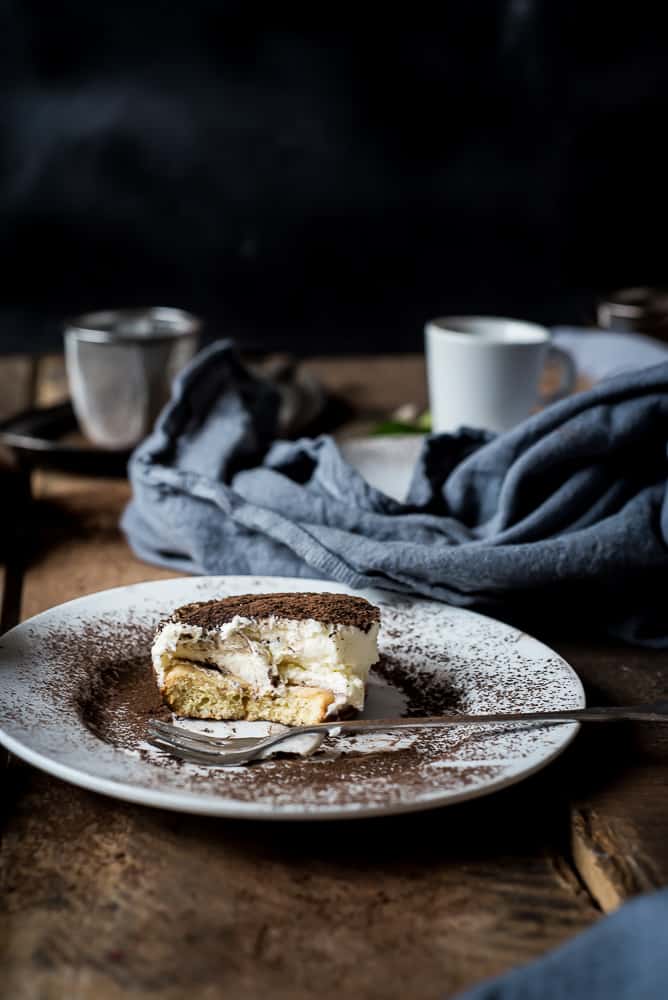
(328, 190)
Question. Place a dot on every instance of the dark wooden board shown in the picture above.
(620, 791)
(17, 393)
(114, 897)
(17, 384)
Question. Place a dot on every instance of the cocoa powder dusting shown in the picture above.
(124, 696)
(337, 609)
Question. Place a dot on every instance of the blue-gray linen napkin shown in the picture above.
(624, 957)
(560, 522)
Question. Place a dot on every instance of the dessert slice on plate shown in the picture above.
(291, 658)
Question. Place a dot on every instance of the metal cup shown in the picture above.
(639, 310)
(120, 366)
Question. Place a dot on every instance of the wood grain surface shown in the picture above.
(101, 899)
(619, 826)
(18, 386)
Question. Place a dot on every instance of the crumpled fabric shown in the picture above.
(561, 522)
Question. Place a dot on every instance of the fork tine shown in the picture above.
(181, 735)
(183, 744)
(178, 746)
(206, 750)
(210, 758)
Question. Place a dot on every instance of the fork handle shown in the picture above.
(653, 712)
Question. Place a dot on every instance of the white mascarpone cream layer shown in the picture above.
(268, 653)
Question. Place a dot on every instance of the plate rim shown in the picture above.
(209, 805)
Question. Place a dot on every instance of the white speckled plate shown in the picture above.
(76, 690)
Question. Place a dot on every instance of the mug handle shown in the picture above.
(568, 376)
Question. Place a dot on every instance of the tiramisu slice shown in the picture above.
(290, 658)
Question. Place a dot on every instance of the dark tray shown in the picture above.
(50, 438)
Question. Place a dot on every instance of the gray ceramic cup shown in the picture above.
(120, 367)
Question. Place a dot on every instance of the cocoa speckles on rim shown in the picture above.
(337, 609)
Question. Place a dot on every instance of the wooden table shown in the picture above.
(101, 899)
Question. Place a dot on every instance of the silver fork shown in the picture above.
(233, 750)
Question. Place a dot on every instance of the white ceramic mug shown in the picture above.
(484, 371)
